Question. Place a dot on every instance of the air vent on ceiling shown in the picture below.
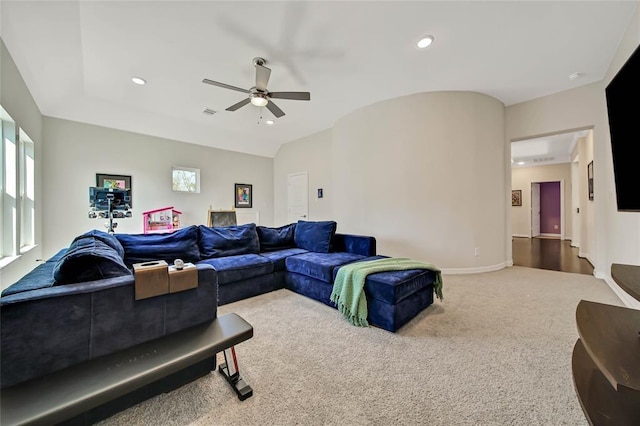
(208, 111)
(542, 159)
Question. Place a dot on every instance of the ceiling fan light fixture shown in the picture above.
(258, 100)
(425, 41)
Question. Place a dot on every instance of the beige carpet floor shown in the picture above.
(496, 351)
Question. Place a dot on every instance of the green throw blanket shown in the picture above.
(348, 288)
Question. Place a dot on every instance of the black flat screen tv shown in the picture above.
(623, 109)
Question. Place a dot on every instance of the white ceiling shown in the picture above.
(78, 57)
(552, 149)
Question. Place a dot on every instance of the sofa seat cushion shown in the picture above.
(278, 257)
(180, 244)
(235, 268)
(40, 277)
(221, 241)
(319, 265)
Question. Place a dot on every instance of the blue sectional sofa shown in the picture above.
(80, 304)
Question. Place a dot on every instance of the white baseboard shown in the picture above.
(520, 235)
(629, 301)
(479, 270)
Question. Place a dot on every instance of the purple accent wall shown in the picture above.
(550, 208)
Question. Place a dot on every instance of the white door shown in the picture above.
(535, 209)
(298, 197)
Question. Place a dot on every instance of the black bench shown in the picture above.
(68, 395)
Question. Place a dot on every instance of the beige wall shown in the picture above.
(75, 152)
(312, 155)
(421, 173)
(16, 99)
(522, 178)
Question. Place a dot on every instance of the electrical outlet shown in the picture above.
(477, 251)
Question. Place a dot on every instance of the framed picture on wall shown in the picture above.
(590, 179)
(243, 195)
(516, 197)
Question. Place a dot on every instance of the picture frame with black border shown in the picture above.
(243, 196)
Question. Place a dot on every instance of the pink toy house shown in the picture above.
(166, 219)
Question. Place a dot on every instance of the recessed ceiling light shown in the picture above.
(270, 122)
(520, 163)
(138, 80)
(425, 42)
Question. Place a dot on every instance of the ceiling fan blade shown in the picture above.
(275, 110)
(296, 96)
(262, 77)
(225, 86)
(239, 104)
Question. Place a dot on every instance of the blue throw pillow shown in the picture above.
(180, 244)
(88, 259)
(222, 241)
(315, 236)
(276, 238)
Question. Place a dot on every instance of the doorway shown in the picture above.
(547, 213)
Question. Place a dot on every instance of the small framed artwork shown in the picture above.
(114, 181)
(590, 180)
(516, 197)
(243, 195)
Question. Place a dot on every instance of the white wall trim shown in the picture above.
(629, 301)
(551, 235)
(482, 269)
(521, 235)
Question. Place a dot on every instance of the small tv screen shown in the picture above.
(99, 198)
(623, 109)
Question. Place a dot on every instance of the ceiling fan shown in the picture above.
(259, 95)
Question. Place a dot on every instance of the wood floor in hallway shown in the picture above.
(549, 253)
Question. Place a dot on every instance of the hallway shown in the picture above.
(549, 253)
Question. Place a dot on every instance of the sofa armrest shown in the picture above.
(356, 244)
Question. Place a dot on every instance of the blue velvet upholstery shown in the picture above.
(276, 238)
(48, 329)
(278, 257)
(236, 268)
(393, 286)
(319, 265)
(246, 288)
(40, 277)
(315, 236)
(358, 244)
(228, 240)
(89, 258)
(180, 244)
(108, 239)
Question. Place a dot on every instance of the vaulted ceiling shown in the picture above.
(78, 58)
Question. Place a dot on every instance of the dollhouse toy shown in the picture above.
(166, 219)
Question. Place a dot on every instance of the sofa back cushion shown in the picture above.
(108, 239)
(88, 258)
(228, 240)
(315, 236)
(272, 239)
(180, 244)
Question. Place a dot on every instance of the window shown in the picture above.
(185, 179)
(17, 190)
